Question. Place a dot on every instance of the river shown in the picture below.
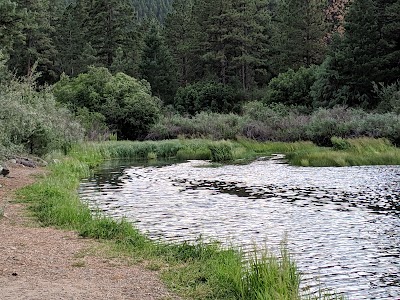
(341, 225)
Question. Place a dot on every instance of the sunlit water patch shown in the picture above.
(341, 224)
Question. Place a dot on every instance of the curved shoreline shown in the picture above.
(47, 263)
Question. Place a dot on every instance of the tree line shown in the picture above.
(206, 55)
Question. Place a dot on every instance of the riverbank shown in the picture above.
(192, 271)
(197, 271)
(47, 263)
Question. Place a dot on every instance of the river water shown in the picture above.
(341, 225)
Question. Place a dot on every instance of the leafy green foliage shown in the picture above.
(292, 87)
(125, 102)
(31, 120)
(206, 96)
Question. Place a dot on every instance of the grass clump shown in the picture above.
(268, 277)
(221, 151)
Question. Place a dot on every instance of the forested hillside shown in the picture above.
(206, 56)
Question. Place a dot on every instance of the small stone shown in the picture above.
(14, 274)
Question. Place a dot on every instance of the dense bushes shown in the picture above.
(32, 121)
(125, 102)
(282, 123)
(292, 87)
(207, 96)
(204, 124)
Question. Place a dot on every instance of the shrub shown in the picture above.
(32, 120)
(125, 102)
(221, 151)
(206, 96)
(292, 87)
(326, 123)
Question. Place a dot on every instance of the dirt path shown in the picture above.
(45, 263)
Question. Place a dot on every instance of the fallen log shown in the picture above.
(26, 162)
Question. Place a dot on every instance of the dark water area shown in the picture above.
(341, 225)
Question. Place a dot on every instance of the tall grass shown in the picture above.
(271, 278)
(199, 271)
(351, 152)
(344, 152)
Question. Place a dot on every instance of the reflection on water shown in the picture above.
(342, 224)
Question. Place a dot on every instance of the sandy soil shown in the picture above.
(45, 263)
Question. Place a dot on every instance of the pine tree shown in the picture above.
(369, 51)
(231, 40)
(70, 39)
(211, 28)
(300, 29)
(38, 45)
(112, 26)
(179, 36)
(157, 65)
(11, 24)
(247, 40)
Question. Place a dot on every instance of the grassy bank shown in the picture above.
(344, 152)
(348, 152)
(200, 271)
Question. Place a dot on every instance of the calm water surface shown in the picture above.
(342, 225)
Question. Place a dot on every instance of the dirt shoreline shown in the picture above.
(46, 263)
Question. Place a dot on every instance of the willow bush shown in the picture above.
(277, 122)
(32, 121)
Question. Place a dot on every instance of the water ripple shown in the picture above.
(341, 224)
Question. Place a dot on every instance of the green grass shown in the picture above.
(355, 152)
(199, 271)
(345, 152)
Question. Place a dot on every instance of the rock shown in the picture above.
(26, 162)
(4, 171)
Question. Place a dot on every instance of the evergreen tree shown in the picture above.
(38, 45)
(300, 29)
(11, 24)
(369, 51)
(179, 36)
(232, 39)
(75, 53)
(152, 8)
(248, 40)
(157, 66)
(212, 27)
(111, 25)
